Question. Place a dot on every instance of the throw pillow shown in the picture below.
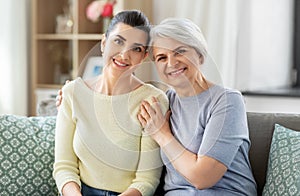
(27, 155)
(283, 174)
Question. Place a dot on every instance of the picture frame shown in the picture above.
(93, 68)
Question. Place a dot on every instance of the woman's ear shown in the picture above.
(103, 43)
(201, 59)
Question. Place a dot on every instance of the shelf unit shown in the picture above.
(56, 57)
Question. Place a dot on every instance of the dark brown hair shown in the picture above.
(134, 18)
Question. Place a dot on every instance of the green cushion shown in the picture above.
(27, 155)
(283, 174)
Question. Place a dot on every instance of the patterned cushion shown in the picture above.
(283, 174)
(27, 155)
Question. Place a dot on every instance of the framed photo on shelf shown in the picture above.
(93, 67)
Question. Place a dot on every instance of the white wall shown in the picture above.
(13, 57)
(265, 44)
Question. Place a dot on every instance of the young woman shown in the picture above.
(205, 144)
(100, 148)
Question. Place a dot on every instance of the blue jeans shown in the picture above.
(90, 191)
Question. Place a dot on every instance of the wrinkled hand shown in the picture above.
(59, 96)
(152, 119)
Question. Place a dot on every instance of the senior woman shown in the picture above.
(204, 140)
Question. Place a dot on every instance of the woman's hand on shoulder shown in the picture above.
(59, 96)
(154, 122)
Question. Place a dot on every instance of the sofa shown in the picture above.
(27, 151)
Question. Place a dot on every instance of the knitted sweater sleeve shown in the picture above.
(150, 164)
(66, 163)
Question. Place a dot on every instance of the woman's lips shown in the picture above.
(177, 72)
(119, 64)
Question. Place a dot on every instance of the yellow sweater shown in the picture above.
(100, 142)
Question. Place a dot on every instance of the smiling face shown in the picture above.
(176, 63)
(124, 48)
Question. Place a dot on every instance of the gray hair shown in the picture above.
(182, 30)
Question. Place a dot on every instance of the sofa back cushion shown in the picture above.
(261, 128)
(27, 155)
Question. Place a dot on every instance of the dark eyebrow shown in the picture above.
(159, 55)
(121, 37)
(135, 44)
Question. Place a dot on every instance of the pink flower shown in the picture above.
(99, 8)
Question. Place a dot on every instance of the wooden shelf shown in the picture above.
(55, 36)
(69, 37)
(57, 56)
(49, 86)
(89, 37)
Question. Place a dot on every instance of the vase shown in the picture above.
(105, 23)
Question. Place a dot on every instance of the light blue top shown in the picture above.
(212, 123)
